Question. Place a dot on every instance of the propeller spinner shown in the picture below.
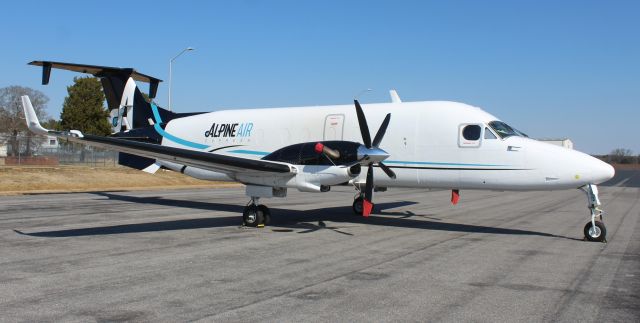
(369, 154)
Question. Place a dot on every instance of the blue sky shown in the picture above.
(550, 68)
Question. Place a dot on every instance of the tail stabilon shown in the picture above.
(128, 108)
(130, 114)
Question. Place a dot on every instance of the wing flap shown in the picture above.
(200, 159)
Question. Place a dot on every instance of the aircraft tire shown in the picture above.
(597, 235)
(266, 213)
(358, 206)
(252, 216)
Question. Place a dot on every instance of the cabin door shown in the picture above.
(333, 127)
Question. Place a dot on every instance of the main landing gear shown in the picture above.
(358, 204)
(594, 230)
(256, 215)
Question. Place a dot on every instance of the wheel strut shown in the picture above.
(595, 229)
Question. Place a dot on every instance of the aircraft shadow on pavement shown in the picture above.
(283, 220)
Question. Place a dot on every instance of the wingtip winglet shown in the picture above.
(32, 119)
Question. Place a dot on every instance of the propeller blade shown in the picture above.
(387, 170)
(332, 153)
(364, 128)
(367, 205)
(381, 131)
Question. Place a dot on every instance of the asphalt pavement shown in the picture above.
(181, 255)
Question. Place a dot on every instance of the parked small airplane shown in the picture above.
(442, 145)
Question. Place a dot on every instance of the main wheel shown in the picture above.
(266, 213)
(597, 233)
(252, 216)
(358, 206)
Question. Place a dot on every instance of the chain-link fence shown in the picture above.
(48, 151)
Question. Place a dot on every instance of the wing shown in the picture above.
(199, 159)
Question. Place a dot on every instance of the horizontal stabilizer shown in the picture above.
(136, 162)
(152, 169)
(98, 71)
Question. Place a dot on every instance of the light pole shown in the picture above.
(171, 63)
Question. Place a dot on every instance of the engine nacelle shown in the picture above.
(318, 153)
(306, 178)
(355, 170)
(311, 178)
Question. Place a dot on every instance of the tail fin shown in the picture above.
(128, 109)
(32, 119)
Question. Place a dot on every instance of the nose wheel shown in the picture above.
(595, 229)
(596, 233)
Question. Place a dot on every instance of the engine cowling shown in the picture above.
(318, 178)
(305, 154)
(318, 170)
(306, 178)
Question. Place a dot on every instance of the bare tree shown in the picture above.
(12, 122)
(622, 156)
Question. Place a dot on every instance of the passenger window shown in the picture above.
(469, 135)
(488, 134)
(471, 132)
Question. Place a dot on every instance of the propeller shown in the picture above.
(320, 148)
(371, 154)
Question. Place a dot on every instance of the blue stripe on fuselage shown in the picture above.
(262, 153)
(160, 131)
(438, 163)
(249, 152)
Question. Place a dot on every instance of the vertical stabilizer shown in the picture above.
(129, 111)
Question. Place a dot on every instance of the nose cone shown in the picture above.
(566, 168)
(371, 155)
(602, 172)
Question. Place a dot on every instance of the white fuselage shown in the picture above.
(424, 141)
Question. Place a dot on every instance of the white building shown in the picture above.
(50, 142)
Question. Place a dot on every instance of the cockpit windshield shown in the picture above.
(504, 130)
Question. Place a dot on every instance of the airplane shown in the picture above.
(430, 144)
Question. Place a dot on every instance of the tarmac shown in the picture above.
(181, 255)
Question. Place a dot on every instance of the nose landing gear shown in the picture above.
(595, 229)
